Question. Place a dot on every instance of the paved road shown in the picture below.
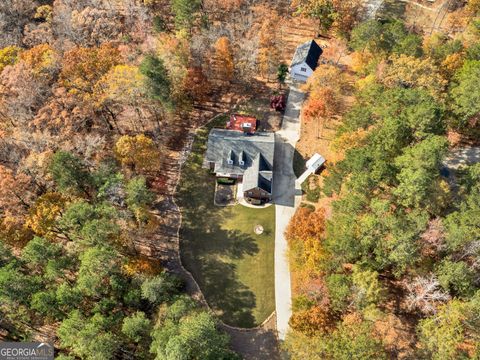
(286, 201)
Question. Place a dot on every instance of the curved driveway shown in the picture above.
(286, 200)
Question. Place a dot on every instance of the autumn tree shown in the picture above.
(451, 332)
(321, 10)
(45, 212)
(83, 67)
(223, 59)
(316, 320)
(407, 71)
(196, 84)
(138, 152)
(122, 87)
(268, 53)
(8, 56)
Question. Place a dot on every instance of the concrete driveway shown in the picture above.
(286, 201)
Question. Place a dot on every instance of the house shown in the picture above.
(248, 159)
(246, 124)
(305, 61)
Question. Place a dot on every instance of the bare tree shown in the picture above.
(425, 294)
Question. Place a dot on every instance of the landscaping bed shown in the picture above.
(233, 266)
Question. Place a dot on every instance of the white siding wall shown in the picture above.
(297, 73)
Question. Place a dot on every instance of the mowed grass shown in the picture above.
(232, 265)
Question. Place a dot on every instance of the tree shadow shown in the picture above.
(209, 251)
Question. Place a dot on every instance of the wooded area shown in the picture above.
(97, 101)
(388, 268)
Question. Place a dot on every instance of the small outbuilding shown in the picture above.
(305, 61)
(315, 162)
(243, 123)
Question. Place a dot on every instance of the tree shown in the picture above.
(462, 226)
(136, 327)
(419, 169)
(194, 337)
(339, 291)
(138, 152)
(223, 59)
(367, 287)
(185, 11)
(15, 194)
(44, 213)
(160, 288)
(98, 267)
(425, 294)
(347, 14)
(42, 59)
(282, 72)
(368, 35)
(304, 234)
(196, 84)
(90, 224)
(83, 67)
(139, 198)
(456, 277)
(70, 174)
(38, 252)
(92, 26)
(122, 86)
(88, 338)
(156, 79)
(321, 10)
(306, 224)
(324, 103)
(445, 334)
(316, 320)
(409, 72)
(8, 56)
(351, 340)
(464, 95)
(354, 341)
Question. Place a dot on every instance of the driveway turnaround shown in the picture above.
(286, 200)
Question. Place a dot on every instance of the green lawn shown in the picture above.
(233, 265)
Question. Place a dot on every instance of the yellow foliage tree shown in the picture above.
(123, 84)
(8, 56)
(304, 235)
(138, 152)
(412, 72)
(44, 213)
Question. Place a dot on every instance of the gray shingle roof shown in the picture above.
(258, 175)
(308, 52)
(256, 150)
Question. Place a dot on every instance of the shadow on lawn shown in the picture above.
(217, 278)
(206, 247)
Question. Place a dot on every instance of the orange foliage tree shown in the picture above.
(224, 59)
(83, 67)
(304, 234)
(316, 320)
